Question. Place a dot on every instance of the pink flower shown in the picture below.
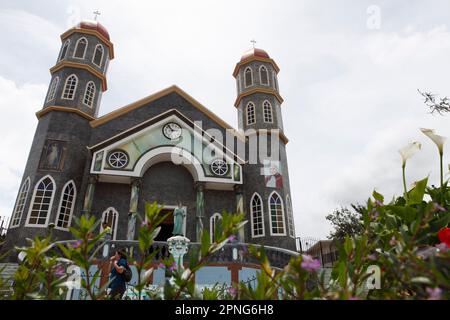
(434, 293)
(442, 247)
(232, 238)
(309, 263)
(232, 291)
(161, 265)
(76, 244)
(393, 241)
(438, 207)
(372, 257)
(59, 271)
(378, 203)
(173, 266)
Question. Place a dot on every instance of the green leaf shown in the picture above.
(378, 196)
(415, 196)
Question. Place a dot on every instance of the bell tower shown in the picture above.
(51, 188)
(266, 180)
(79, 75)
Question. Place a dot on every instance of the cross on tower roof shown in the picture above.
(253, 41)
(96, 13)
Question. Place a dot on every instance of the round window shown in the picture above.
(219, 167)
(118, 159)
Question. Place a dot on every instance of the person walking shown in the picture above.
(117, 282)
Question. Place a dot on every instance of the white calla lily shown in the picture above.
(437, 139)
(409, 150)
(406, 153)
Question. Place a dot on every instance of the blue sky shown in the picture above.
(349, 90)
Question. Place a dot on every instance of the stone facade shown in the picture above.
(77, 136)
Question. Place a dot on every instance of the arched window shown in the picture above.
(89, 94)
(41, 202)
(98, 55)
(248, 76)
(80, 48)
(66, 204)
(267, 111)
(251, 119)
(70, 87)
(264, 75)
(64, 50)
(110, 216)
(257, 216)
(214, 224)
(276, 215)
(20, 203)
(53, 87)
(290, 217)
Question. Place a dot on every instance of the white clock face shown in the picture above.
(172, 131)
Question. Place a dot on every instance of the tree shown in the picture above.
(346, 222)
(441, 107)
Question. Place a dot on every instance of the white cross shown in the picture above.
(253, 42)
(96, 13)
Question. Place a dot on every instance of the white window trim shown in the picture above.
(262, 216)
(117, 221)
(211, 229)
(53, 87)
(260, 76)
(71, 209)
(65, 85)
(282, 215)
(101, 58)
(264, 112)
(93, 95)
(11, 226)
(254, 113)
(291, 214)
(245, 77)
(50, 206)
(76, 47)
(67, 42)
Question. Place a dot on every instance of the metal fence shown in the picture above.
(326, 251)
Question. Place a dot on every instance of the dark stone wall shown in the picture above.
(114, 195)
(254, 181)
(255, 65)
(92, 43)
(75, 131)
(77, 102)
(165, 182)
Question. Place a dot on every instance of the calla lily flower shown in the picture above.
(409, 150)
(406, 153)
(438, 140)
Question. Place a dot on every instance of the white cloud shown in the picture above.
(18, 123)
(350, 93)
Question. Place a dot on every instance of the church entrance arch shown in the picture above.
(169, 184)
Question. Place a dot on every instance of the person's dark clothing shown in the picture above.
(117, 284)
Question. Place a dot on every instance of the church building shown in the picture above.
(166, 147)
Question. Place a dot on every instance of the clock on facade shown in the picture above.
(172, 131)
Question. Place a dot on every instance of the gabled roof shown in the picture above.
(173, 89)
(147, 123)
